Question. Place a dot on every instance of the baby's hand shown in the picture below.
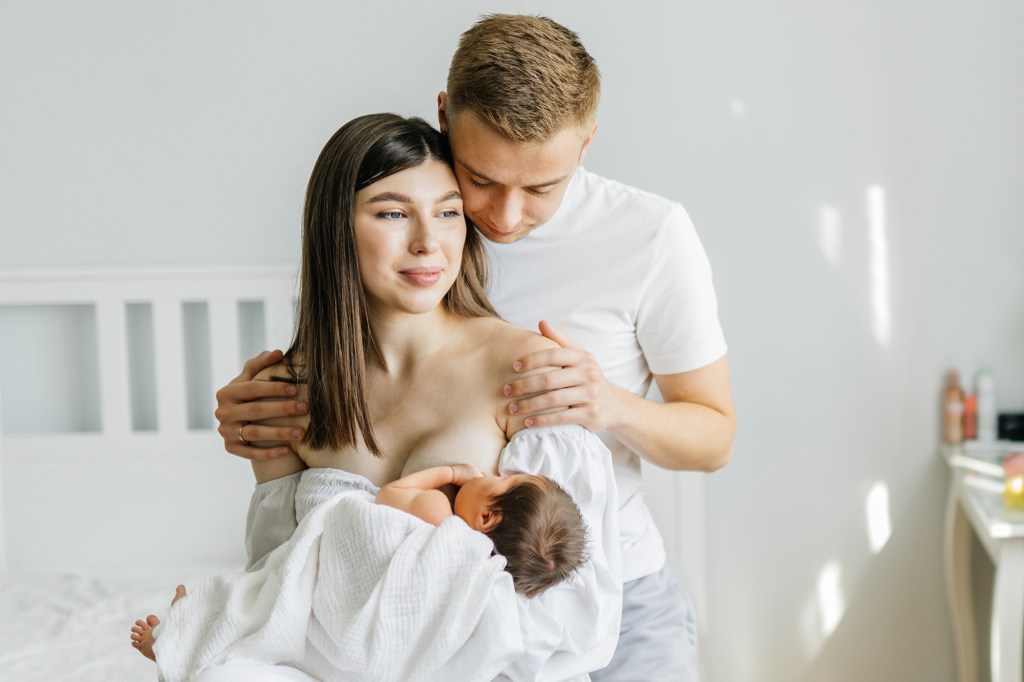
(462, 473)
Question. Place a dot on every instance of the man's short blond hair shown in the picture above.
(526, 76)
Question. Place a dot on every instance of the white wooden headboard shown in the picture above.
(118, 496)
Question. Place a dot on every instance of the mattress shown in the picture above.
(57, 626)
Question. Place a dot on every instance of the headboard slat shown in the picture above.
(112, 338)
(224, 361)
(169, 342)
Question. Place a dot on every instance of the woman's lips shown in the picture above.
(422, 277)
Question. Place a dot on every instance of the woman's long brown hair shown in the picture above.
(333, 336)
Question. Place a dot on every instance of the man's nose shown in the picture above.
(507, 212)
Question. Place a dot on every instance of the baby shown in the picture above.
(531, 520)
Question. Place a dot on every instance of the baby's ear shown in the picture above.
(489, 520)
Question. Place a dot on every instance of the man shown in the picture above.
(621, 281)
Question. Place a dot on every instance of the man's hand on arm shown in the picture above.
(693, 429)
(244, 402)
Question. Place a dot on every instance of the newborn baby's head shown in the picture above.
(532, 522)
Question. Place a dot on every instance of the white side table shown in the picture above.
(974, 507)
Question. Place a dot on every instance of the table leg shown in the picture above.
(1007, 646)
(958, 587)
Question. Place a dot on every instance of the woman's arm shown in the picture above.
(271, 519)
(278, 467)
(271, 469)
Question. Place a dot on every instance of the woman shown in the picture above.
(396, 342)
(398, 351)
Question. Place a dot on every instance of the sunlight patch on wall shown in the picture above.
(878, 241)
(830, 233)
(823, 612)
(879, 518)
(738, 107)
(831, 604)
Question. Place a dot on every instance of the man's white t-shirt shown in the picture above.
(623, 273)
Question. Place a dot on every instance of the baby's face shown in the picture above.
(474, 500)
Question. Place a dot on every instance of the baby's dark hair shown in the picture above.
(541, 535)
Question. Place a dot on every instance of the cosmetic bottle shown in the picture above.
(970, 417)
(986, 391)
(952, 409)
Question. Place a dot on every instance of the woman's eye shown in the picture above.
(450, 213)
(390, 215)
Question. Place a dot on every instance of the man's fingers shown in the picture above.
(254, 366)
(576, 415)
(254, 453)
(260, 410)
(560, 399)
(550, 331)
(244, 391)
(548, 381)
(257, 433)
(552, 357)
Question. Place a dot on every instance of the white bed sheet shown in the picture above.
(57, 626)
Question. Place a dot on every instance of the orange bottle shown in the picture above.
(952, 410)
(970, 431)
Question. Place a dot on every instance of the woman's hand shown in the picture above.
(245, 402)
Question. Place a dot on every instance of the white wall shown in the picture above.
(854, 170)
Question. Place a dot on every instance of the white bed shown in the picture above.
(135, 493)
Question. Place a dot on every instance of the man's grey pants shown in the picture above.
(658, 638)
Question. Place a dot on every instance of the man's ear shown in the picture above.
(489, 520)
(586, 142)
(442, 111)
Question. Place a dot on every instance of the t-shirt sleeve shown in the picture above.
(573, 628)
(677, 316)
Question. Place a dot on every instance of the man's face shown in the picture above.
(509, 188)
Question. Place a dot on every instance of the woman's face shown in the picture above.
(410, 231)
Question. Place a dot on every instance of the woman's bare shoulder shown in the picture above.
(507, 342)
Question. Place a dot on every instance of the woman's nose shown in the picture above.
(424, 237)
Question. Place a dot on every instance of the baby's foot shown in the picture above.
(142, 636)
(142, 633)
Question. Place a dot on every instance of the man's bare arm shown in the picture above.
(693, 429)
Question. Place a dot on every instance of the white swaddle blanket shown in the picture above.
(366, 592)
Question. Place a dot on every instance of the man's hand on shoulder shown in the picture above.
(559, 383)
(251, 397)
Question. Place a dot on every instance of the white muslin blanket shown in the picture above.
(360, 592)
(366, 592)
